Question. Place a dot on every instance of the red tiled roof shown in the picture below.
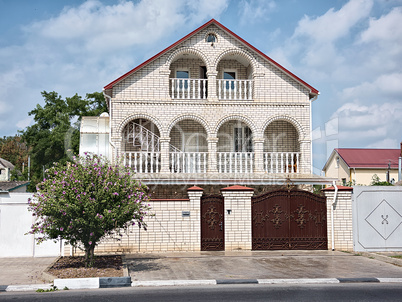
(369, 158)
(213, 21)
(340, 188)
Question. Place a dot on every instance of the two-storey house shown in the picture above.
(213, 114)
(210, 109)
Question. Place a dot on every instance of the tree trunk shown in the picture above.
(89, 255)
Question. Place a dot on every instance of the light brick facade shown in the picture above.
(274, 104)
(342, 219)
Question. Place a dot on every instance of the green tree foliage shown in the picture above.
(15, 150)
(84, 201)
(375, 181)
(54, 136)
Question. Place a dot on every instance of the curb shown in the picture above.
(113, 282)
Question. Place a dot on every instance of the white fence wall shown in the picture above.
(15, 221)
(377, 218)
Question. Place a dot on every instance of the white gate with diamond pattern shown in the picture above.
(377, 218)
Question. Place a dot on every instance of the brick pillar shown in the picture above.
(194, 194)
(342, 216)
(212, 90)
(237, 211)
(305, 160)
(212, 160)
(258, 155)
(164, 144)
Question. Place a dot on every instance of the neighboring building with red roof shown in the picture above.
(358, 165)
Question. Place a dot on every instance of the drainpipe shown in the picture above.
(311, 134)
(110, 121)
(332, 216)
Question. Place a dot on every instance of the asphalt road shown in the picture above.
(333, 292)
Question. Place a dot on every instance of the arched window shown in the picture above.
(211, 38)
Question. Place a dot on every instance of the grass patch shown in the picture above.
(397, 256)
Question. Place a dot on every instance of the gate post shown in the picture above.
(237, 211)
(194, 194)
(343, 223)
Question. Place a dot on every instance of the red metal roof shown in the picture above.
(370, 158)
(212, 21)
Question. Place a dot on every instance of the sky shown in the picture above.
(351, 51)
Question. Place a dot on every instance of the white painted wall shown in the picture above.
(15, 221)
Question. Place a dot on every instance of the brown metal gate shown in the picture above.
(289, 220)
(212, 224)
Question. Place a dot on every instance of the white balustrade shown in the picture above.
(188, 88)
(282, 162)
(188, 162)
(235, 162)
(235, 89)
(143, 162)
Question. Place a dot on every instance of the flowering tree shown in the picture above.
(85, 201)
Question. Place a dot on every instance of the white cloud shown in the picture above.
(385, 28)
(84, 47)
(252, 11)
(334, 24)
(387, 143)
(22, 124)
(361, 124)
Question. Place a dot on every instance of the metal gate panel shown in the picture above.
(308, 221)
(377, 218)
(283, 220)
(212, 224)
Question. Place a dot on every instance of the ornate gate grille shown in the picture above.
(289, 220)
(212, 224)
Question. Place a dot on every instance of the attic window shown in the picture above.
(211, 38)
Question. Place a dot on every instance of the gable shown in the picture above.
(194, 45)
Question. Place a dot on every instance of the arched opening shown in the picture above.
(188, 77)
(235, 148)
(281, 148)
(189, 147)
(234, 77)
(141, 146)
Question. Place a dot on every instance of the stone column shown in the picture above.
(212, 154)
(305, 160)
(342, 218)
(237, 211)
(258, 155)
(194, 194)
(164, 88)
(212, 89)
(164, 144)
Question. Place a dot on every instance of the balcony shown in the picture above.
(190, 89)
(235, 90)
(227, 162)
(197, 89)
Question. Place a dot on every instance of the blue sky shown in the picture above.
(351, 51)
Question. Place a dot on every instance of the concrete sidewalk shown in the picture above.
(24, 270)
(186, 268)
(257, 265)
